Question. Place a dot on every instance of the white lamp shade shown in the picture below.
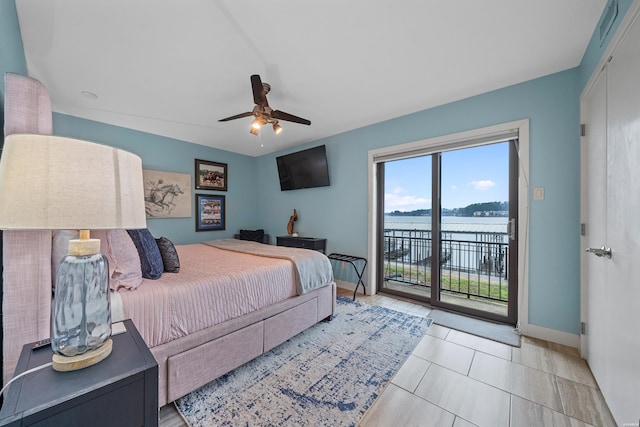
(52, 182)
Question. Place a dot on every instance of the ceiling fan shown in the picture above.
(262, 112)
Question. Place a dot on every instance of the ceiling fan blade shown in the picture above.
(281, 115)
(237, 116)
(259, 97)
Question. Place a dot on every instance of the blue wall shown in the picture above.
(11, 51)
(339, 212)
(166, 154)
(596, 47)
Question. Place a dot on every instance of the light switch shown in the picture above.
(538, 193)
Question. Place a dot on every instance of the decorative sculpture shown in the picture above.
(293, 218)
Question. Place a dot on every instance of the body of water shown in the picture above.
(458, 225)
(467, 242)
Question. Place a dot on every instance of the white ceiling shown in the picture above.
(174, 67)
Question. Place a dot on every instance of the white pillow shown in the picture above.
(124, 261)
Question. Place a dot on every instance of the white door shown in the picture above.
(595, 179)
(623, 228)
(613, 285)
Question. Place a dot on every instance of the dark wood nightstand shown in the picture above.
(122, 390)
(302, 242)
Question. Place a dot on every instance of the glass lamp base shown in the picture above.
(81, 310)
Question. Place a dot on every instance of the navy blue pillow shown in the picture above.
(169, 255)
(150, 257)
(253, 235)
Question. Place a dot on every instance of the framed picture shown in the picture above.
(210, 212)
(167, 194)
(211, 175)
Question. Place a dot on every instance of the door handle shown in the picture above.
(602, 252)
(511, 229)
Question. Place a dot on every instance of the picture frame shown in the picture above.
(167, 194)
(210, 212)
(210, 175)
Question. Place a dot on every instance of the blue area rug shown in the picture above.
(329, 374)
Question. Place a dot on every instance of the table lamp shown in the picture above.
(51, 182)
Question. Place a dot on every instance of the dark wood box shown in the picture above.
(302, 242)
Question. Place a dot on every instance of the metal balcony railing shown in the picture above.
(474, 264)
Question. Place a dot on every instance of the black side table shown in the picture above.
(121, 390)
(351, 259)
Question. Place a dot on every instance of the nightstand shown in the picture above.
(121, 390)
(302, 242)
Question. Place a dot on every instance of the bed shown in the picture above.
(230, 302)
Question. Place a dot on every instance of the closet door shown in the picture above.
(598, 299)
(612, 177)
(623, 229)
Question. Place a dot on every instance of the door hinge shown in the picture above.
(583, 229)
(583, 130)
(583, 328)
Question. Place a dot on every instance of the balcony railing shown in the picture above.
(473, 264)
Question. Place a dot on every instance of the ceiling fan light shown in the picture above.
(277, 128)
(253, 130)
(255, 124)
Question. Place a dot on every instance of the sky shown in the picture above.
(471, 175)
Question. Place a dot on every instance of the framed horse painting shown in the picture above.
(211, 175)
(167, 194)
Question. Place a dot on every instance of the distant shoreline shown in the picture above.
(447, 214)
(486, 209)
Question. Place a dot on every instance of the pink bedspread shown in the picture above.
(213, 286)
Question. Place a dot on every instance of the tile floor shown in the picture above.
(456, 379)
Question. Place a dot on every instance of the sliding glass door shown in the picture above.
(407, 227)
(448, 232)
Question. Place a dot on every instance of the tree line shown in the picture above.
(471, 210)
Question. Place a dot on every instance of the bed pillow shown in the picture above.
(150, 258)
(253, 235)
(126, 271)
(169, 255)
(124, 262)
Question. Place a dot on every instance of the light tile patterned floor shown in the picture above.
(456, 379)
(461, 380)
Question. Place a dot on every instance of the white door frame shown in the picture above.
(448, 141)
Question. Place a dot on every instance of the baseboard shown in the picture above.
(552, 335)
(533, 331)
(348, 285)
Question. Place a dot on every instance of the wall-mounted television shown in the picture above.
(303, 169)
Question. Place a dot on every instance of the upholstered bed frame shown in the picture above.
(185, 363)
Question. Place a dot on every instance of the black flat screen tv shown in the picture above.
(303, 169)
